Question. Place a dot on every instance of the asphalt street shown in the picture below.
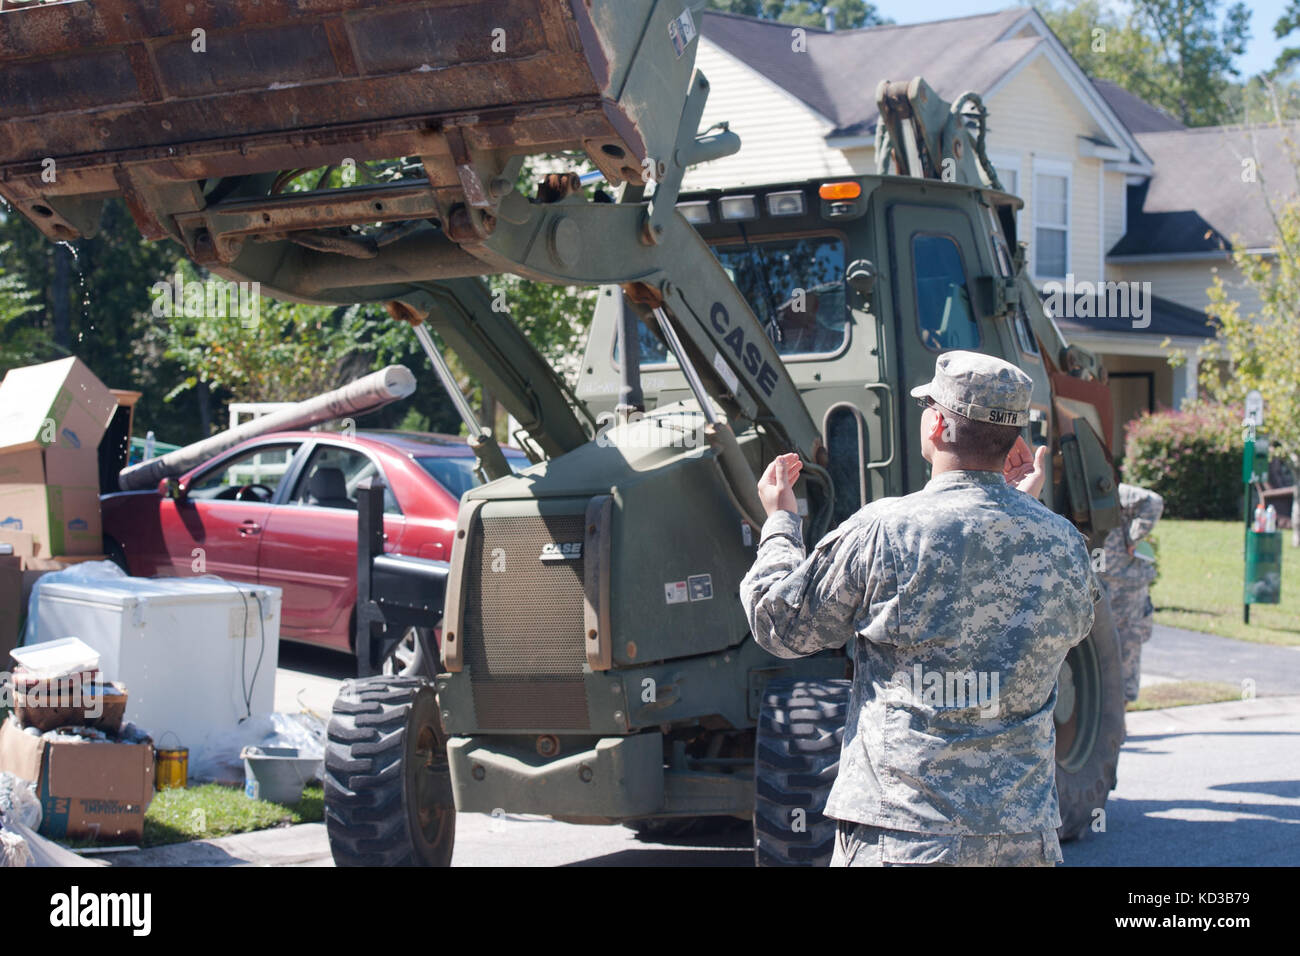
(1211, 785)
(1191, 655)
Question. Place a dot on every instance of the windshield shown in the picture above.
(794, 286)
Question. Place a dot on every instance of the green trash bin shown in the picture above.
(1263, 567)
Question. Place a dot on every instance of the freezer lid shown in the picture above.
(128, 592)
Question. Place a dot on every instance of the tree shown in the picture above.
(1176, 54)
(21, 342)
(1261, 349)
(1287, 24)
(849, 14)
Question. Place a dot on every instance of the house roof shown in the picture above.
(1167, 319)
(1134, 112)
(964, 53)
(1199, 196)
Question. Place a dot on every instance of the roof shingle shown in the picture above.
(956, 55)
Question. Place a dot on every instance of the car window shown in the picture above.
(332, 476)
(264, 465)
(457, 475)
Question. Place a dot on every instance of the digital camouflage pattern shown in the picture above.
(967, 578)
(1128, 578)
(982, 387)
(857, 844)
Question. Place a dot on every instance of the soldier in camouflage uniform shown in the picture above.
(1127, 577)
(962, 600)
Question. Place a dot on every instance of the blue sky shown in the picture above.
(1261, 49)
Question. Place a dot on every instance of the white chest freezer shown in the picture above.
(196, 655)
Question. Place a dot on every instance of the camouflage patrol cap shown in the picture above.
(981, 387)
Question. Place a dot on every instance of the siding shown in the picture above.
(1036, 116)
(1185, 282)
(781, 138)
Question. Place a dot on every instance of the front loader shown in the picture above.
(594, 663)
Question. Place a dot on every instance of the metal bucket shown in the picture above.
(171, 768)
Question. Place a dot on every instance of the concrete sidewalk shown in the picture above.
(302, 845)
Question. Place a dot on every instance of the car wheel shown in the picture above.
(406, 658)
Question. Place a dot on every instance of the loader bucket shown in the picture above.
(156, 101)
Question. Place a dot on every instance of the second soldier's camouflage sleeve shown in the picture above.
(799, 605)
(1146, 510)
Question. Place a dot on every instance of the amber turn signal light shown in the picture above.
(840, 191)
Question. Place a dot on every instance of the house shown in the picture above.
(1115, 190)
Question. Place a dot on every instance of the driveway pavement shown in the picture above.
(1211, 785)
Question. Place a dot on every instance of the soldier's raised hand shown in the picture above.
(776, 487)
(1024, 469)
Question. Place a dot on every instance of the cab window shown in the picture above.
(943, 306)
(794, 286)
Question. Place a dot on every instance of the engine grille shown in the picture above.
(522, 624)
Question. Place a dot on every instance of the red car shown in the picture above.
(281, 510)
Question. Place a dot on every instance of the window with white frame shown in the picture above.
(1051, 208)
(1008, 167)
(1010, 176)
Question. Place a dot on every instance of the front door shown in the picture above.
(217, 527)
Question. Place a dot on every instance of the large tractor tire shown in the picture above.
(388, 798)
(796, 758)
(1089, 725)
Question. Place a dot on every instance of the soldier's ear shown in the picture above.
(939, 427)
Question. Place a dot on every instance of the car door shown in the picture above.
(216, 527)
(309, 547)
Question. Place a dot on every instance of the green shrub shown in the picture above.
(1191, 457)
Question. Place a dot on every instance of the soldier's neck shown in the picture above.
(946, 461)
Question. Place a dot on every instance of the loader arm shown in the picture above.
(459, 93)
(498, 354)
(600, 244)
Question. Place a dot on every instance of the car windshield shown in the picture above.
(457, 474)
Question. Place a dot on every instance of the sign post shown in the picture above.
(1263, 572)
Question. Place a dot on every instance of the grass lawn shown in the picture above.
(1181, 693)
(1202, 566)
(210, 810)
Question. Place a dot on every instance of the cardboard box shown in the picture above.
(59, 405)
(62, 519)
(96, 791)
(23, 543)
(11, 605)
(52, 417)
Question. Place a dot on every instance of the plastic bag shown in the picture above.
(18, 802)
(88, 572)
(14, 850)
(217, 757)
(306, 732)
(43, 852)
